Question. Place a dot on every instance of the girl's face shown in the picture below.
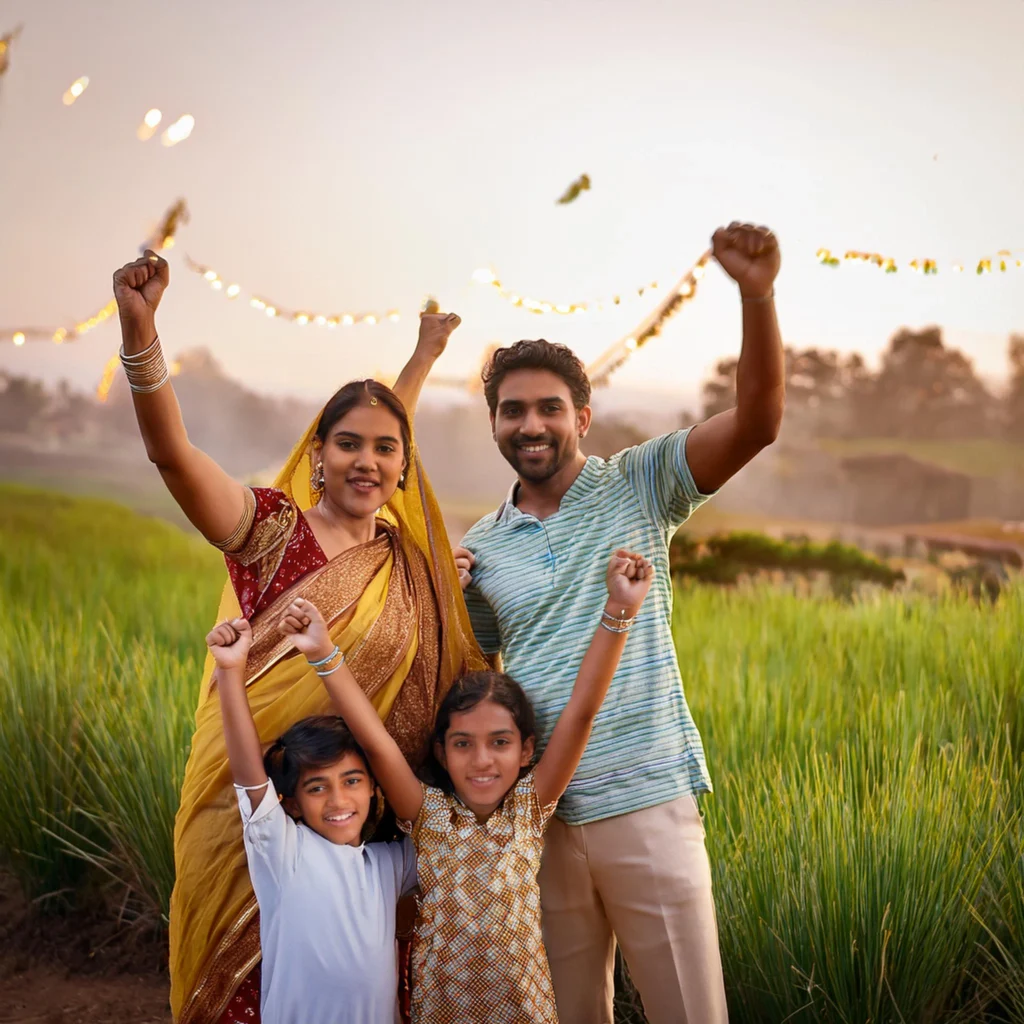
(363, 459)
(334, 801)
(483, 754)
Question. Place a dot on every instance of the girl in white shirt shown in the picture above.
(327, 902)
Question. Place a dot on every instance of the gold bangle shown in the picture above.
(240, 534)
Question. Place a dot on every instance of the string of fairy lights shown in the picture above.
(486, 276)
(600, 370)
(232, 290)
(614, 357)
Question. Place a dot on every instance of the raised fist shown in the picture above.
(435, 330)
(303, 624)
(749, 255)
(229, 643)
(139, 286)
(628, 578)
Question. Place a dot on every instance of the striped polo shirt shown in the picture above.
(536, 596)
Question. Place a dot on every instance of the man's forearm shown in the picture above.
(760, 373)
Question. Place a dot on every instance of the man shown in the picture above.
(625, 858)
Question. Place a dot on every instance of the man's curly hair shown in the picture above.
(536, 355)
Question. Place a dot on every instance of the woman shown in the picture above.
(352, 525)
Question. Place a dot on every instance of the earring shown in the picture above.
(316, 483)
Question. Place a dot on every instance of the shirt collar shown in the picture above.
(580, 488)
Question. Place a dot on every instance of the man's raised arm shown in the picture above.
(718, 448)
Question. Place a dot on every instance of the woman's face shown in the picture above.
(363, 459)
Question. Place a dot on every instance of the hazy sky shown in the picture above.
(358, 156)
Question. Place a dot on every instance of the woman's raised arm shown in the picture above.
(435, 329)
(212, 500)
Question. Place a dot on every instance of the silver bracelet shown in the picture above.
(324, 661)
(148, 389)
(146, 370)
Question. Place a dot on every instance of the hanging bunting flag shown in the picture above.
(572, 193)
(1004, 259)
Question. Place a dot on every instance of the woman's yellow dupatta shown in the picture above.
(395, 606)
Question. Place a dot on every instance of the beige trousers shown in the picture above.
(645, 880)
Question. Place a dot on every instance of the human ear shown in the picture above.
(527, 755)
(583, 418)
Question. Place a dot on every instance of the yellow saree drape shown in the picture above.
(395, 606)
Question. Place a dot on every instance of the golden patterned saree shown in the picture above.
(395, 607)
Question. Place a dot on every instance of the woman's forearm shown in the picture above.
(158, 413)
(411, 380)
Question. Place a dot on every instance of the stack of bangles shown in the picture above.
(146, 370)
(330, 664)
(615, 623)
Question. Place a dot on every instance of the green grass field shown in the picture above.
(866, 831)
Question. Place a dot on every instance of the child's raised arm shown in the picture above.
(229, 644)
(305, 625)
(629, 578)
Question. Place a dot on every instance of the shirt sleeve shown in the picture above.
(528, 804)
(271, 842)
(660, 477)
(253, 562)
(405, 867)
(434, 802)
(483, 621)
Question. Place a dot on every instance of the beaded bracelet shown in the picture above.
(616, 620)
(615, 629)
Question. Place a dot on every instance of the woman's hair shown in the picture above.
(466, 692)
(364, 392)
(536, 355)
(313, 742)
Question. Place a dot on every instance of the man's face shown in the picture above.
(535, 425)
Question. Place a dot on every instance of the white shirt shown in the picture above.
(327, 919)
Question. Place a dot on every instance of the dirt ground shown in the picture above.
(65, 970)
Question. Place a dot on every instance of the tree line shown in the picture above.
(922, 390)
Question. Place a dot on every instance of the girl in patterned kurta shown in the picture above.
(478, 954)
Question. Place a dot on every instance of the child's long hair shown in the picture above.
(467, 691)
(315, 742)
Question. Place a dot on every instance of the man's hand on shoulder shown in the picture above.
(464, 562)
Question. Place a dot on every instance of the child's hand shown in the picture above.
(229, 643)
(304, 624)
(629, 578)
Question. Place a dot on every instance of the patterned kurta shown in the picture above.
(478, 954)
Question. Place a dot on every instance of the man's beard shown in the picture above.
(536, 470)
